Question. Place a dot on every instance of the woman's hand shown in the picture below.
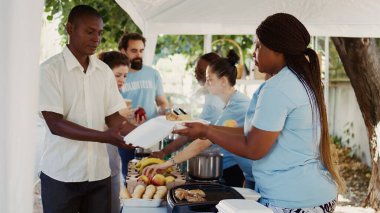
(151, 170)
(194, 130)
(127, 113)
(139, 120)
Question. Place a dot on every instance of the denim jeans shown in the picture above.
(125, 155)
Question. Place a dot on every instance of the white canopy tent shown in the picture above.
(349, 18)
(20, 36)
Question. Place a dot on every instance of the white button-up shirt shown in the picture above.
(85, 99)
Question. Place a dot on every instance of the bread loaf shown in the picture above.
(161, 192)
(138, 191)
(149, 192)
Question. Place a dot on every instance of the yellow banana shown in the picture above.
(138, 164)
(149, 161)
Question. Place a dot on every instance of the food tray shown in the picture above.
(214, 193)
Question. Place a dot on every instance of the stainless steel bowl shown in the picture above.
(205, 166)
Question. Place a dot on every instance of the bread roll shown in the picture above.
(124, 193)
(149, 192)
(161, 192)
(138, 191)
(162, 188)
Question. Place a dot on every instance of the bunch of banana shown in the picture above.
(146, 162)
(149, 161)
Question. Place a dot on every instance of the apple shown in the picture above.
(158, 180)
(144, 179)
(140, 113)
(169, 179)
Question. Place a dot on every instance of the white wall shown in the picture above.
(344, 110)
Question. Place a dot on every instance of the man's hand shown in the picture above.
(113, 136)
(194, 130)
(158, 154)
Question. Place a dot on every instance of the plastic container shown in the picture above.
(241, 206)
(248, 194)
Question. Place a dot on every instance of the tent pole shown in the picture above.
(150, 48)
(207, 40)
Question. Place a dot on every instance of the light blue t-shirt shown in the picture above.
(142, 87)
(212, 108)
(291, 174)
(233, 116)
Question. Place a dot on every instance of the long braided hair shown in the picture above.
(285, 34)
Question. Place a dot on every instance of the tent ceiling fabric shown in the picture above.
(349, 18)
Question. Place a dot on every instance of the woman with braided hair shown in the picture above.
(285, 131)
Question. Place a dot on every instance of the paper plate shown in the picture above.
(154, 130)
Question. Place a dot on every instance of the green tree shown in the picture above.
(189, 45)
(244, 41)
(116, 20)
(192, 46)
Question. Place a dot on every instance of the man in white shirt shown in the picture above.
(78, 98)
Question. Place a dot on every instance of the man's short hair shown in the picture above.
(123, 42)
(114, 59)
(80, 11)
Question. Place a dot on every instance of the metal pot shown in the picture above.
(205, 166)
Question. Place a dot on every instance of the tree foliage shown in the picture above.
(192, 46)
(189, 45)
(115, 19)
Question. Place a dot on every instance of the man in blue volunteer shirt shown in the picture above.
(143, 85)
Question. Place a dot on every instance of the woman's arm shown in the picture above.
(190, 151)
(232, 130)
(171, 147)
(255, 146)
